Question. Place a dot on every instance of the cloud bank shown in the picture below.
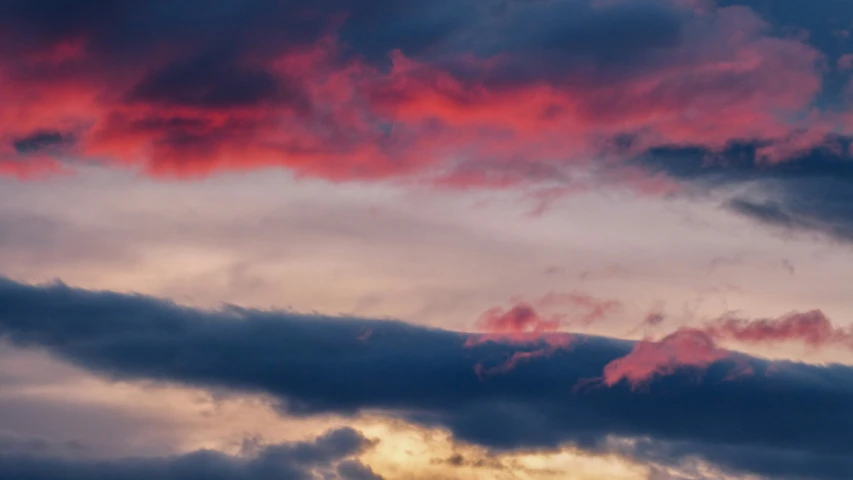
(485, 93)
(789, 421)
(329, 455)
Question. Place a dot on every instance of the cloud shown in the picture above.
(812, 328)
(524, 325)
(521, 318)
(520, 325)
(653, 319)
(697, 348)
(808, 194)
(38, 141)
(328, 455)
(683, 349)
(461, 94)
(592, 309)
(12, 444)
(315, 364)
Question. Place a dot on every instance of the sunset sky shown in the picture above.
(415, 240)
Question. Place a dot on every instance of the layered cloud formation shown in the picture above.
(778, 419)
(808, 193)
(689, 105)
(554, 95)
(484, 93)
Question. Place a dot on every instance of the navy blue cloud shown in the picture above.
(827, 25)
(796, 418)
(561, 34)
(41, 140)
(376, 28)
(812, 192)
(329, 455)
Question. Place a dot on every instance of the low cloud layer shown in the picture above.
(809, 194)
(795, 418)
(330, 455)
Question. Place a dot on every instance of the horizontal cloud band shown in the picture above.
(329, 455)
(798, 417)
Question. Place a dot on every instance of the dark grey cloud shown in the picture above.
(217, 82)
(42, 140)
(810, 193)
(330, 455)
(795, 417)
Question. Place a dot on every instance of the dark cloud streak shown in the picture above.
(810, 193)
(316, 364)
(328, 455)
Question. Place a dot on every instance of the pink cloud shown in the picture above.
(554, 343)
(689, 348)
(589, 309)
(697, 348)
(520, 325)
(812, 328)
(731, 68)
(523, 324)
(653, 319)
(456, 123)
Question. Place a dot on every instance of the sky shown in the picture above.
(387, 239)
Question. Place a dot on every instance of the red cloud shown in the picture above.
(463, 121)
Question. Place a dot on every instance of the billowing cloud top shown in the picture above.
(779, 419)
